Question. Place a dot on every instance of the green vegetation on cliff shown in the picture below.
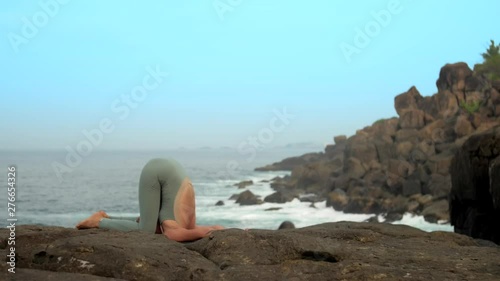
(470, 107)
(491, 64)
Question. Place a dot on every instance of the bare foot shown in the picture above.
(92, 221)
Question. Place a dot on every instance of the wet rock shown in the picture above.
(286, 225)
(392, 217)
(248, 198)
(337, 199)
(312, 198)
(373, 219)
(219, 203)
(363, 205)
(273, 209)
(244, 184)
(279, 197)
(437, 211)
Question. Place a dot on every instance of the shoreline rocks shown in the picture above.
(400, 157)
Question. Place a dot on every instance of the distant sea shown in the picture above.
(108, 180)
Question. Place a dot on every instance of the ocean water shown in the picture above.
(108, 180)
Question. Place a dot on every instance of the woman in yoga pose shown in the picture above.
(166, 205)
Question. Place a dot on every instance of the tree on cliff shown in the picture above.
(491, 64)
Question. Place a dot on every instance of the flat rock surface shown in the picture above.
(331, 251)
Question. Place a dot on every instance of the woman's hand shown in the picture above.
(211, 229)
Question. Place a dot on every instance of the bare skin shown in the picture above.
(92, 221)
(183, 228)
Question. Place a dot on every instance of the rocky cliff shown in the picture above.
(475, 193)
(332, 251)
(400, 164)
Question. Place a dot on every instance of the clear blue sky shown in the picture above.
(228, 69)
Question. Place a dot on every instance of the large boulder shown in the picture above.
(361, 148)
(354, 168)
(463, 127)
(337, 199)
(411, 187)
(438, 186)
(363, 205)
(447, 104)
(452, 77)
(314, 176)
(407, 101)
(248, 198)
(280, 197)
(436, 212)
(412, 119)
(474, 207)
(244, 184)
(286, 225)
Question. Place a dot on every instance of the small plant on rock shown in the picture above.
(471, 107)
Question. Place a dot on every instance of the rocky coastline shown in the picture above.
(402, 164)
(439, 159)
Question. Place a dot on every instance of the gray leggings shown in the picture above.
(158, 186)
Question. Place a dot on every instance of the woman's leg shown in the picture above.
(150, 196)
(149, 202)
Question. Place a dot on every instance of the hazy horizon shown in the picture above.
(164, 74)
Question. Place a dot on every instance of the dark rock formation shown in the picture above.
(402, 156)
(248, 198)
(219, 203)
(289, 163)
(279, 197)
(337, 199)
(286, 225)
(244, 184)
(474, 197)
(273, 209)
(332, 251)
